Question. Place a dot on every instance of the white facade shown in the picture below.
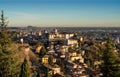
(56, 69)
(67, 36)
(72, 42)
(51, 36)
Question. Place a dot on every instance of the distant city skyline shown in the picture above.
(50, 13)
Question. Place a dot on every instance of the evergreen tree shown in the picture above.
(79, 42)
(89, 58)
(50, 60)
(110, 67)
(38, 75)
(5, 37)
(48, 73)
(25, 69)
(62, 66)
(9, 66)
(42, 51)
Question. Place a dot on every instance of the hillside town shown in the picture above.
(59, 53)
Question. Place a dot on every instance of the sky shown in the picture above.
(62, 13)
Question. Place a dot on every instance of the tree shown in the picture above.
(109, 67)
(9, 65)
(25, 69)
(38, 75)
(89, 58)
(5, 37)
(62, 66)
(42, 51)
(79, 42)
(48, 73)
(50, 60)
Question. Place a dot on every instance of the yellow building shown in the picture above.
(45, 59)
(38, 49)
(72, 53)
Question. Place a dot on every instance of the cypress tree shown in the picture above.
(38, 75)
(42, 51)
(62, 65)
(110, 67)
(48, 73)
(50, 60)
(8, 63)
(25, 69)
(5, 38)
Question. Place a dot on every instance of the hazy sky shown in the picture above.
(62, 12)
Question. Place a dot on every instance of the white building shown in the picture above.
(71, 42)
(68, 35)
(56, 69)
